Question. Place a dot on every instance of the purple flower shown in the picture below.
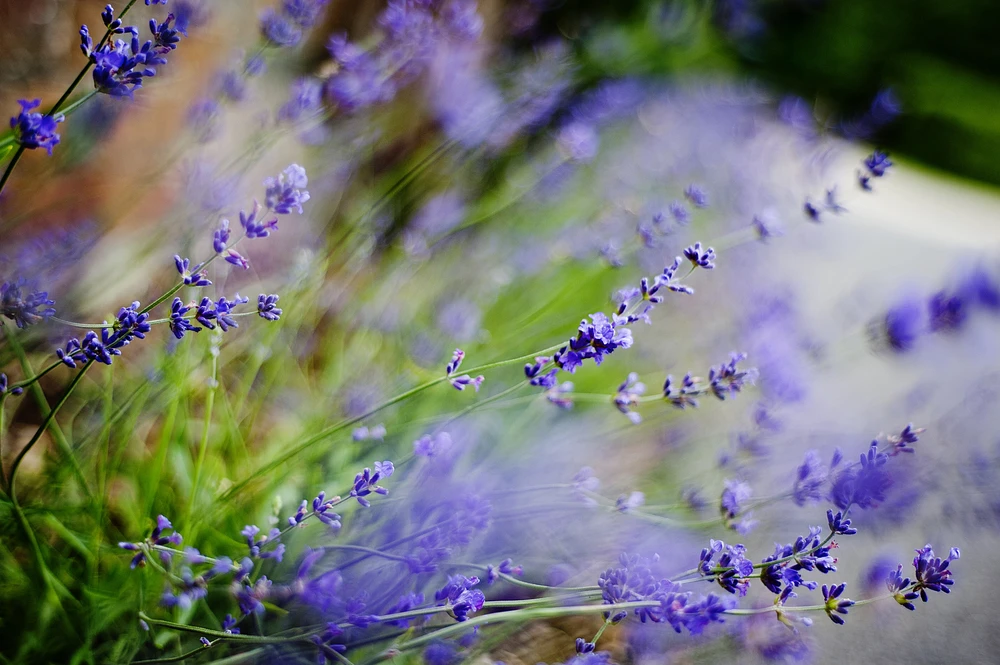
(35, 130)
(728, 379)
(120, 66)
(946, 313)
(191, 276)
(24, 309)
(864, 484)
(221, 237)
(932, 572)
(835, 605)
(700, 258)
(267, 307)
(903, 324)
(697, 196)
(3, 386)
(305, 97)
(286, 192)
(303, 13)
(366, 482)
(899, 587)
(255, 228)
(809, 480)
(578, 141)
(734, 496)
(628, 396)
(179, 324)
(278, 29)
(679, 212)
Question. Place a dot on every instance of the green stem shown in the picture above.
(43, 404)
(10, 166)
(218, 634)
(344, 424)
(206, 426)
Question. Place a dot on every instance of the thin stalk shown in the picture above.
(344, 424)
(206, 426)
(43, 405)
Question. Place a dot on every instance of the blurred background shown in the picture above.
(508, 176)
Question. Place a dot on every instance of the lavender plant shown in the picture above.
(467, 202)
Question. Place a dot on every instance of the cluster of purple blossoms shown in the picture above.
(211, 313)
(633, 581)
(120, 66)
(732, 569)
(412, 31)
(628, 395)
(35, 130)
(285, 25)
(945, 311)
(366, 482)
(876, 165)
(321, 509)
(809, 552)
(835, 605)
(131, 323)
(463, 381)
(157, 537)
(460, 596)
(22, 306)
(282, 195)
(601, 336)
(724, 380)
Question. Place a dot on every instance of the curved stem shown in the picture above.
(344, 424)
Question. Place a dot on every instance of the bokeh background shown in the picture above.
(503, 193)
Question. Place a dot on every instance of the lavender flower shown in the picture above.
(700, 258)
(179, 324)
(156, 537)
(191, 276)
(946, 313)
(903, 324)
(3, 386)
(697, 196)
(221, 237)
(255, 228)
(628, 396)
(366, 482)
(899, 587)
(35, 130)
(267, 307)
(24, 310)
(809, 480)
(835, 605)
(120, 66)
(728, 379)
(286, 192)
(932, 572)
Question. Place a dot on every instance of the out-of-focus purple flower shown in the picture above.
(287, 192)
(980, 288)
(903, 324)
(728, 379)
(24, 309)
(946, 312)
(279, 29)
(189, 14)
(628, 396)
(734, 496)
(35, 130)
(864, 484)
(578, 141)
(697, 196)
(809, 480)
(304, 98)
